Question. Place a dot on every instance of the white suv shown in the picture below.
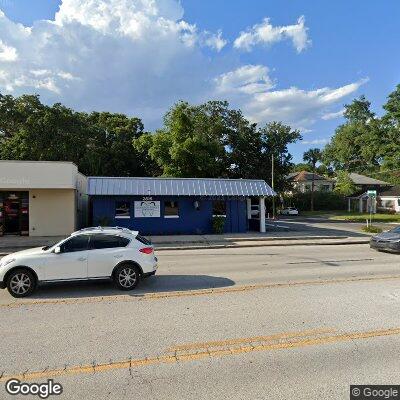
(92, 253)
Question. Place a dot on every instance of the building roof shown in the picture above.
(178, 187)
(392, 192)
(305, 176)
(366, 180)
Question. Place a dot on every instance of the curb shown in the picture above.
(227, 246)
(251, 239)
(297, 242)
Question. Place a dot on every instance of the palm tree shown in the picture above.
(311, 157)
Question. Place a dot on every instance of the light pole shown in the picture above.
(273, 187)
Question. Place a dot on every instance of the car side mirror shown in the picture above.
(57, 250)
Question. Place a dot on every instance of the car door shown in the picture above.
(71, 262)
(105, 252)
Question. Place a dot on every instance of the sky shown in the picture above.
(297, 62)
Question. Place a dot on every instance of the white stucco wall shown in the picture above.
(52, 212)
(37, 175)
(58, 200)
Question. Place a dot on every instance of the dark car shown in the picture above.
(389, 241)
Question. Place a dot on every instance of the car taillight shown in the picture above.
(146, 250)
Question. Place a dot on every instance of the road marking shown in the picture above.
(329, 261)
(224, 348)
(255, 339)
(190, 293)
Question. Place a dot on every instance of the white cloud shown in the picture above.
(132, 56)
(139, 57)
(251, 89)
(333, 115)
(315, 141)
(247, 79)
(214, 41)
(7, 53)
(267, 34)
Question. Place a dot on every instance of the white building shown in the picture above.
(302, 182)
(41, 198)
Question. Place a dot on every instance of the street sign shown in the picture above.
(371, 194)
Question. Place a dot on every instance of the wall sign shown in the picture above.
(147, 209)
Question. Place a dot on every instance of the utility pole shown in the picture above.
(273, 187)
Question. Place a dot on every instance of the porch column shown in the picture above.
(348, 204)
(262, 214)
(360, 205)
(248, 208)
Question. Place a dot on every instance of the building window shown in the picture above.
(171, 209)
(122, 209)
(325, 188)
(219, 207)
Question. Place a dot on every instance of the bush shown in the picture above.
(102, 221)
(218, 223)
(371, 229)
(384, 210)
(323, 201)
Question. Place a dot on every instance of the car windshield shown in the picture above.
(396, 230)
(49, 246)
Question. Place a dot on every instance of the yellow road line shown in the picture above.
(225, 350)
(207, 345)
(190, 293)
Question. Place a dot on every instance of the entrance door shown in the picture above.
(12, 207)
(14, 213)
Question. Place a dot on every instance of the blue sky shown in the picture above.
(191, 51)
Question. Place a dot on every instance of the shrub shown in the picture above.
(371, 229)
(323, 201)
(102, 221)
(385, 210)
(218, 223)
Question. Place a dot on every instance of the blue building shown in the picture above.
(157, 206)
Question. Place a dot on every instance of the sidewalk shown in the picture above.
(10, 244)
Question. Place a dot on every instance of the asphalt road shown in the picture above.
(298, 322)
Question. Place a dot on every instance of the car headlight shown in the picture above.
(4, 263)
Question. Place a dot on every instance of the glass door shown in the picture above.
(14, 213)
(12, 206)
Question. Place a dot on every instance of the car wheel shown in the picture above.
(126, 277)
(21, 283)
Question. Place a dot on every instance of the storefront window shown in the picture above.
(122, 209)
(171, 209)
(219, 207)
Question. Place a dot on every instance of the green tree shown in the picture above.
(357, 144)
(99, 143)
(359, 111)
(344, 185)
(312, 157)
(14, 112)
(275, 138)
(390, 149)
(110, 149)
(190, 144)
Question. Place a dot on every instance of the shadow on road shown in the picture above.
(154, 284)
